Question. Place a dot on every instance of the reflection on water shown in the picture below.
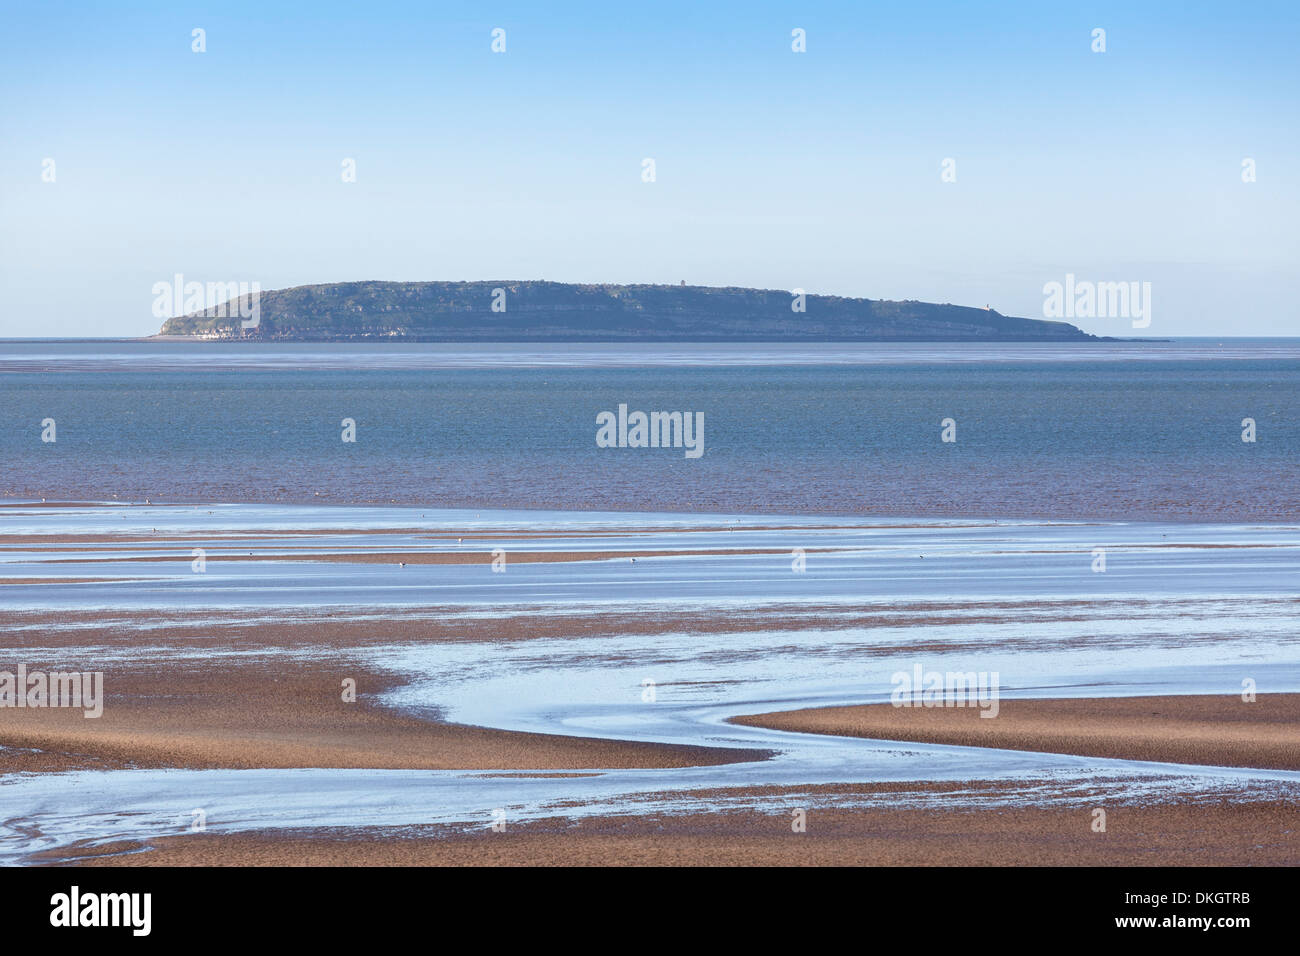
(1180, 609)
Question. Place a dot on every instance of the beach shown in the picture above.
(364, 687)
(1170, 834)
(461, 630)
(1187, 729)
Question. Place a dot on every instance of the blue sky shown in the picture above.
(818, 170)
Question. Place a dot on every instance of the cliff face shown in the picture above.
(563, 312)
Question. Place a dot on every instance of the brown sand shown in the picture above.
(1180, 833)
(355, 627)
(270, 711)
(265, 711)
(22, 541)
(241, 713)
(1215, 730)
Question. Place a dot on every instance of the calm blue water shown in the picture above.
(1125, 430)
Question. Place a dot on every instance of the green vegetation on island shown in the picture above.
(566, 312)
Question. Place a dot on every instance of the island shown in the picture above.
(536, 311)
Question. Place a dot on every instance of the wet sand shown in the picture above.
(354, 627)
(257, 690)
(1175, 834)
(1222, 731)
(41, 541)
(241, 714)
(261, 709)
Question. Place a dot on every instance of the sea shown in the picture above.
(1183, 430)
(1095, 525)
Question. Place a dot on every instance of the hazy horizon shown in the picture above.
(825, 170)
